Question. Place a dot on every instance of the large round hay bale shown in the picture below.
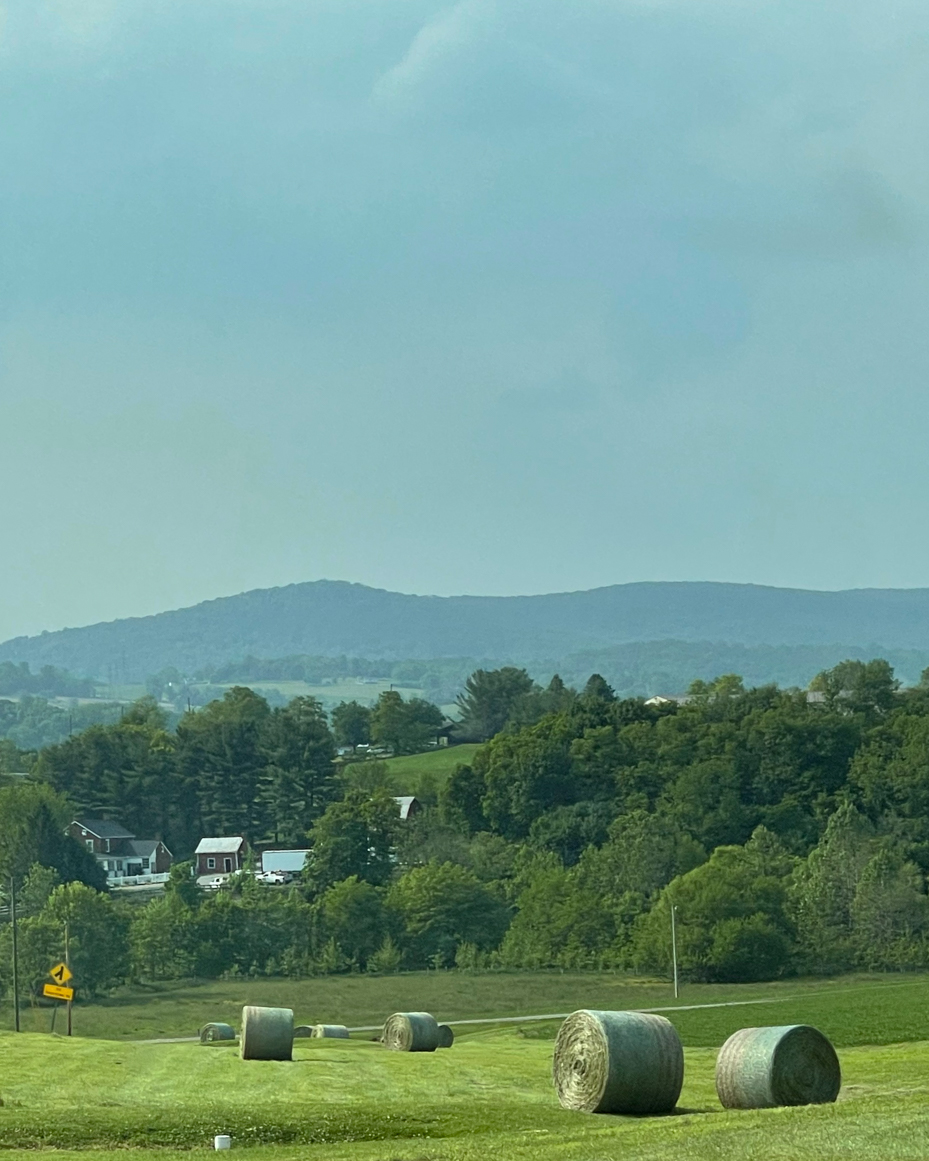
(411, 1032)
(446, 1036)
(267, 1033)
(762, 1068)
(618, 1062)
(331, 1031)
(303, 1031)
(211, 1033)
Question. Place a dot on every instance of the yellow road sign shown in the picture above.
(55, 993)
(61, 973)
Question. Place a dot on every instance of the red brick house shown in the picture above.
(118, 851)
(220, 856)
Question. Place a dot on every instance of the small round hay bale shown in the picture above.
(303, 1031)
(267, 1033)
(446, 1036)
(211, 1033)
(411, 1032)
(618, 1062)
(763, 1068)
(331, 1031)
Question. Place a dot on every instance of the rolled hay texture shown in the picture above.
(267, 1033)
(446, 1036)
(411, 1032)
(763, 1068)
(331, 1031)
(211, 1033)
(618, 1062)
(303, 1031)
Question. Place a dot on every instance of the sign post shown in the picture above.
(59, 990)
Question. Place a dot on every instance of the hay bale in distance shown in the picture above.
(267, 1033)
(446, 1036)
(411, 1032)
(618, 1062)
(214, 1033)
(763, 1068)
(331, 1031)
(303, 1031)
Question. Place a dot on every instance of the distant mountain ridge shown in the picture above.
(330, 618)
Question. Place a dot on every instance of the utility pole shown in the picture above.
(15, 954)
(674, 947)
(67, 961)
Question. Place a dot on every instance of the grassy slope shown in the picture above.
(490, 1093)
(896, 1008)
(439, 763)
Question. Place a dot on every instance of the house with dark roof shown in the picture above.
(119, 852)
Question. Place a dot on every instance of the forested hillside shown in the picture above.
(790, 830)
(329, 618)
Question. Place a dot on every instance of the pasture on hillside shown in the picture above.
(408, 769)
(491, 1093)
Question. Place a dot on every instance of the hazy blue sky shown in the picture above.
(471, 297)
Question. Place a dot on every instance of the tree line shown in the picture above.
(790, 829)
(16, 680)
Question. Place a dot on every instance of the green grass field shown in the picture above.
(490, 1094)
(409, 769)
(851, 1010)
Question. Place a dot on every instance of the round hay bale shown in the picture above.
(303, 1031)
(411, 1032)
(331, 1031)
(446, 1036)
(211, 1033)
(618, 1062)
(267, 1033)
(763, 1068)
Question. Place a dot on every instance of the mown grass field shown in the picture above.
(489, 1095)
(852, 1010)
(439, 763)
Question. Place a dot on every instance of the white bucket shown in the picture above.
(223, 1141)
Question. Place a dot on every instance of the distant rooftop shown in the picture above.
(405, 802)
(104, 829)
(145, 848)
(219, 846)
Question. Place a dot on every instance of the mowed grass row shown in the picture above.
(896, 1007)
(490, 1094)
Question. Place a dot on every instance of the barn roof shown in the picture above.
(405, 802)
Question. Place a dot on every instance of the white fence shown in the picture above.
(134, 880)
